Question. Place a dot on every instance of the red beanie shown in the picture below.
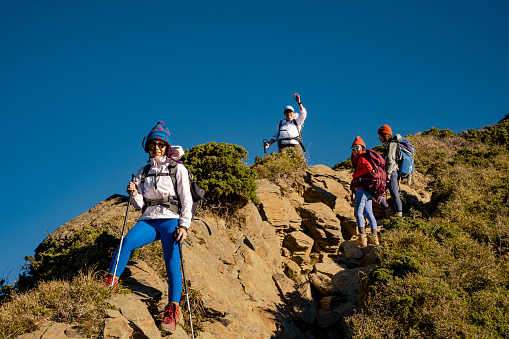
(385, 129)
(359, 141)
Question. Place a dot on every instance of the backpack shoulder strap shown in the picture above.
(144, 175)
(172, 169)
(279, 128)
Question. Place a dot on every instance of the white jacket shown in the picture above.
(164, 189)
(290, 130)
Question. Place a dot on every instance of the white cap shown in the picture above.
(289, 108)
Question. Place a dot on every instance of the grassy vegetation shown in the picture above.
(81, 300)
(284, 169)
(447, 276)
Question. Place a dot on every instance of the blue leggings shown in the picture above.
(145, 232)
(364, 205)
(393, 189)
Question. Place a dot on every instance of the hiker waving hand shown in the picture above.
(289, 133)
(163, 193)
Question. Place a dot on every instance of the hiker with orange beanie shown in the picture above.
(363, 197)
(391, 166)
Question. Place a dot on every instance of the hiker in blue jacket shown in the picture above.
(391, 166)
(161, 219)
(289, 133)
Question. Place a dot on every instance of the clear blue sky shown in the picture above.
(81, 82)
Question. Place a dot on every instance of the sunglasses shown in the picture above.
(355, 147)
(153, 145)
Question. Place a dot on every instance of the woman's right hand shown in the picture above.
(132, 188)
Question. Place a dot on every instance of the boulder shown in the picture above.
(347, 282)
(137, 314)
(329, 268)
(276, 209)
(116, 326)
(323, 284)
(323, 226)
(300, 245)
(350, 254)
(302, 308)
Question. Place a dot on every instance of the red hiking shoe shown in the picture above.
(171, 315)
(108, 279)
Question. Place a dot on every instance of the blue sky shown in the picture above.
(81, 82)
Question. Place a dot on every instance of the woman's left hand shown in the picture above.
(181, 234)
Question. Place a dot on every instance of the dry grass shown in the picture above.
(81, 301)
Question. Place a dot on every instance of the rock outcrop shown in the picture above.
(287, 271)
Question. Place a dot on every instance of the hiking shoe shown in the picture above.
(108, 279)
(171, 314)
(364, 240)
(375, 240)
(398, 214)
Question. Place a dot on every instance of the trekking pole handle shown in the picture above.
(132, 180)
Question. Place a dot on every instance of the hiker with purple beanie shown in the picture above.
(166, 215)
(391, 166)
(363, 197)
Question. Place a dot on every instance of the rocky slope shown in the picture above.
(290, 270)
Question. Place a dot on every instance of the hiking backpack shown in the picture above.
(406, 159)
(173, 204)
(299, 138)
(375, 181)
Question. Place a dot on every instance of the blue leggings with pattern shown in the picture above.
(145, 232)
(364, 205)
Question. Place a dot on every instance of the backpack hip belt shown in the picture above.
(169, 202)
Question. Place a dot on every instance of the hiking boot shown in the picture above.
(375, 240)
(364, 240)
(108, 279)
(171, 314)
(398, 214)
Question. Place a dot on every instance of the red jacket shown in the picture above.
(363, 167)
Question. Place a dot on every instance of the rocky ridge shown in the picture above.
(291, 270)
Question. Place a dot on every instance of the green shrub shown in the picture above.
(220, 169)
(483, 158)
(492, 135)
(54, 260)
(441, 133)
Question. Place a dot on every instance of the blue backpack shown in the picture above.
(406, 159)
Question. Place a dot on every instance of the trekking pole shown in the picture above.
(185, 286)
(122, 236)
(264, 148)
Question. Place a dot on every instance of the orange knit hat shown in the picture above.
(385, 129)
(359, 141)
